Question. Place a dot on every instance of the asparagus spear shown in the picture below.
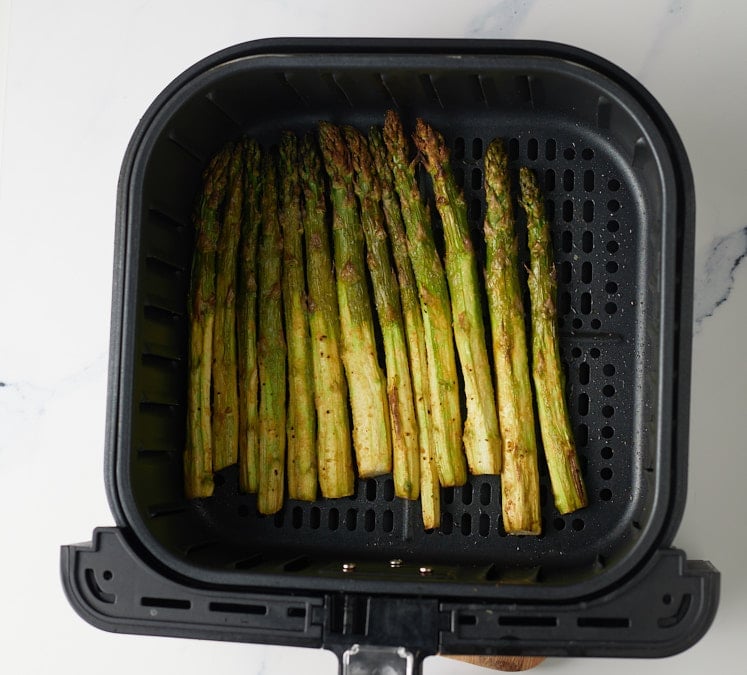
(271, 351)
(520, 476)
(367, 388)
(404, 426)
(302, 466)
(430, 501)
(482, 440)
(246, 320)
(555, 425)
(334, 452)
(198, 453)
(225, 385)
(446, 418)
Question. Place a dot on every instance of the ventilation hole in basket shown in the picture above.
(561, 322)
(558, 524)
(543, 494)
(476, 179)
(605, 495)
(369, 520)
(354, 496)
(387, 521)
(608, 390)
(613, 246)
(566, 272)
(567, 210)
(466, 524)
(463, 620)
(388, 490)
(608, 432)
(551, 149)
(467, 493)
(568, 180)
(594, 353)
(549, 180)
(279, 519)
(459, 148)
(583, 373)
(315, 518)
(585, 303)
(586, 270)
(613, 184)
(588, 211)
(613, 226)
(610, 308)
(107, 575)
(610, 287)
(371, 490)
(447, 523)
(607, 452)
(477, 148)
(596, 324)
(587, 154)
(297, 517)
(333, 519)
(577, 324)
(484, 525)
(578, 524)
(569, 153)
(582, 436)
(219, 480)
(485, 494)
(242, 510)
(459, 176)
(351, 519)
(588, 180)
(550, 210)
(608, 411)
(532, 149)
(513, 149)
(583, 404)
(576, 352)
(475, 211)
(448, 495)
(612, 267)
(587, 241)
(567, 241)
(583, 462)
(606, 473)
(613, 205)
(564, 303)
(666, 599)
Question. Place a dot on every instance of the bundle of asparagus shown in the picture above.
(283, 342)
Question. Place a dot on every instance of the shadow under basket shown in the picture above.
(359, 575)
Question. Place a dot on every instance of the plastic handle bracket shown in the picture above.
(370, 660)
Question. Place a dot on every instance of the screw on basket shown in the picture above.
(348, 567)
(396, 562)
(425, 571)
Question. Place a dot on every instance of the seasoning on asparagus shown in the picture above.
(560, 451)
(301, 421)
(198, 453)
(404, 425)
(482, 441)
(271, 351)
(333, 446)
(246, 320)
(367, 387)
(430, 502)
(519, 476)
(225, 384)
(446, 417)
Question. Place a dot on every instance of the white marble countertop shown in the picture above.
(78, 75)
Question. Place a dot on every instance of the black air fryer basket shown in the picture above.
(359, 575)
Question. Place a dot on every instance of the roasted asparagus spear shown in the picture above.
(246, 320)
(430, 498)
(198, 453)
(271, 350)
(482, 441)
(367, 387)
(557, 438)
(404, 425)
(446, 419)
(301, 422)
(520, 476)
(334, 452)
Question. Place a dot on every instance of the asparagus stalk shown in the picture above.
(404, 426)
(246, 320)
(302, 465)
(198, 454)
(446, 418)
(482, 440)
(555, 425)
(430, 501)
(271, 351)
(334, 452)
(520, 476)
(225, 384)
(367, 388)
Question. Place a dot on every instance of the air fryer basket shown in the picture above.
(619, 197)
